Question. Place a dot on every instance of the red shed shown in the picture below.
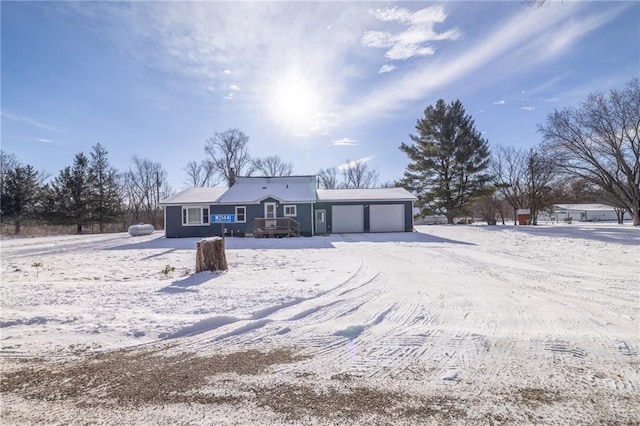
(523, 216)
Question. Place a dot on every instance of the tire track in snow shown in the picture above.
(302, 317)
(564, 306)
(63, 245)
(272, 320)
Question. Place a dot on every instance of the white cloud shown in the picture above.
(43, 140)
(386, 68)
(500, 102)
(517, 44)
(28, 120)
(377, 39)
(355, 162)
(234, 87)
(414, 40)
(203, 43)
(345, 142)
(434, 14)
(528, 108)
(401, 51)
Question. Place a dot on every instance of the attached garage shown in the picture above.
(386, 218)
(347, 218)
(365, 210)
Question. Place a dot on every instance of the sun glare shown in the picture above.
(294, 103)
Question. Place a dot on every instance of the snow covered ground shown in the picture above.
(511, 324)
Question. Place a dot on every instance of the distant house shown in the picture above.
(585, 213)
(290, 205)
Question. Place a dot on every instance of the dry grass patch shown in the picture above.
(297, 402)
(137, 377)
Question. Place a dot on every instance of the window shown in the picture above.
(290, 211)
(241, 214)
(195, 216)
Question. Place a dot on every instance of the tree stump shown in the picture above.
(210, 255)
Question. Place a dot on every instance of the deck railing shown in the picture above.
(276, 227)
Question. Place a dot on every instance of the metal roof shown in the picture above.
(584, 207)
(206, 195)
(286, 189)
(366, 194)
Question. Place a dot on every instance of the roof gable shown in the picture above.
(288, 189)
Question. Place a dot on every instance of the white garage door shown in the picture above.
(347, 219)
(386, 218)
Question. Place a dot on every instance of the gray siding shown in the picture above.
(408, 212)
(174, 227)
(254, 211)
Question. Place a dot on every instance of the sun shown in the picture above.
(294, 102)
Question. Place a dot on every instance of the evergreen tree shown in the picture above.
(19, 198)
(105, 201)
(447, 160)
(72, 192)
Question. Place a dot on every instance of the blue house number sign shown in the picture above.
(223, 218)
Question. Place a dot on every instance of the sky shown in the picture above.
(316, 83)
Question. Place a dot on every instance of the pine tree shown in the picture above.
(72, 192)
(105, 202)
(447, 160)
(20, 190)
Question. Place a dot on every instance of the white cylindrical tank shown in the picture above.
(142, 229)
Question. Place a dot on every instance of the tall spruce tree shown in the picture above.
(72, 192)
(19, 197)
(448, 158)
(105, 201)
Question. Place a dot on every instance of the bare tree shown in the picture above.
(200, 174)
(487, 206)
(8, 162)
(145, 184)
(328, 178)
(229, 154)
(524, 179)
(272, 166)
(600, 143)
(358, 174)
(509, 168)
(541, 174)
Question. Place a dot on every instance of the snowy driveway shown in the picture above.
(480, 308)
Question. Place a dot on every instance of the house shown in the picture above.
(585, 213)
(284, 201)
(288, 205)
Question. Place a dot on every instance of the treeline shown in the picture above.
(228, 153)
(90, 192)
(590, 153)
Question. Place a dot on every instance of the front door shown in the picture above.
(321, 222)
(270, 213)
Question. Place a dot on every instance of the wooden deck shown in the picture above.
(276, 227)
